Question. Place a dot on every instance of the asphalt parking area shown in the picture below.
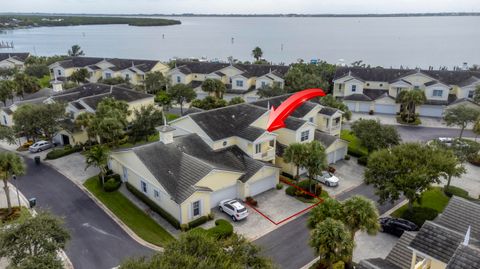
(273, 203)
(350, 174)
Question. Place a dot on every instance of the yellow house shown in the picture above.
(133, 70)
(450, 241)
(13, 60)
(186, 177)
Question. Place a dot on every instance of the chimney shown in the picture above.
(165, 132)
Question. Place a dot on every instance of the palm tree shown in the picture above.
(214, 86)
(409, 100)
(330, 208)
(85, 121)
(76, 50)
(257, 53)
(360, 214)
(10, 164)
(295, 153)
(331, 241)
(98, 156)
(315, 160)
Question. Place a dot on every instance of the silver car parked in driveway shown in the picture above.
(234, 209)
(328, 179)
(40, 146)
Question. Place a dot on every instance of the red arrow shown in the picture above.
(278, 115)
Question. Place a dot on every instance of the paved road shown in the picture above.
(97, 241)
(288, 245)
(418, 133)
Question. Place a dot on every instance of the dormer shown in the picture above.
(165, 134)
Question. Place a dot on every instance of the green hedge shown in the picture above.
(419, 215)
(58, 153)
(290, 190)
(222, 229)
(197, 222)
(452, 190)
(363, 160)
(175, 223)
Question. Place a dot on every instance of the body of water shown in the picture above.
(392, 41)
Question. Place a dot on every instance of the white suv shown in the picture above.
(234, 209)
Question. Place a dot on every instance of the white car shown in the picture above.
(39, 146)
(446, 140)
(328, 179)
(234, 209)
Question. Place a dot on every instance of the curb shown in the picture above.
(308, 265)
(122, 225)
(402, 203)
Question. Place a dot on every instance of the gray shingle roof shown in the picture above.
(459, 215)
(192, 110)
(20, 56)
(329, 111)
(325, 139)
(357, 97)
(119, 64)
(375, 93)
(300, 112)
(401, 255)
(118, 94)
(249, 70)
(178, 166)
(377, 263)
(465, 257)
(227, 121)
(437, 241)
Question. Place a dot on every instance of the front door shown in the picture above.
(65, 139)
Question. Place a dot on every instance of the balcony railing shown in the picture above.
(269, 154)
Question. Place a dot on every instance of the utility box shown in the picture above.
(32, 202)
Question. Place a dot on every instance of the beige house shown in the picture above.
(241, 80)
(13, 60)
(451, 241)
(133, 70)
(375, 89)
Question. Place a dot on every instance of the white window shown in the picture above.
(304, 135)
(196, 208)
(399, 90)
(125, 173)
(108, 75)
(59, 72)
(239, 83)
(264, 84)
(127, 76)
(471, 94)
(156, 194)
(416, 87)
(340, 86)
(310, 119)
(143, 185)
(5, 120)
(354, 88)
(179, 79)
(437, 93)
(258, 148)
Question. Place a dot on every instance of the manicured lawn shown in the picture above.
(171, 117)
(132, 216)
(433, 198)
(354, 147)
(45, 81)
(151, 138)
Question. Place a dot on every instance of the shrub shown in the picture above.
(452, 190)
(332, 169)
(222, 229)
(355, 152)
(197, 222)
(211, 216)
(116, 177)
(279, 186)
(111, 185)
(370, 112)
(347, 157)
(251, 201)
(58, 153)
(153, 206)
(184, 228)
(419, 215)
(363, 160)
(290, 191)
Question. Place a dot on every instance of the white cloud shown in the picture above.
(239, 6)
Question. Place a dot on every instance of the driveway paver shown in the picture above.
(73, 166)
(373, 246)
(350, 174)
(274, 203)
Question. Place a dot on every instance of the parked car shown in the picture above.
(234, 209)
(39, 146)
(328, 179)
(446, 140)
(397, 226)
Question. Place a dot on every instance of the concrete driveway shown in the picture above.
(469, 181)
(373, 246)
(350, 174)
(273, 203)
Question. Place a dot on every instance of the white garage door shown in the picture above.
(226, 193)
(364, 107)
(331, 157)
(431, 111)
(340, 154)
(350, 105)
(262, 185)
(385, 109)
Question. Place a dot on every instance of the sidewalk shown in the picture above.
(391, 120)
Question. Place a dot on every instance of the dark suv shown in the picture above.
(397, 226)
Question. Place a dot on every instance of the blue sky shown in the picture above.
(239, 6)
